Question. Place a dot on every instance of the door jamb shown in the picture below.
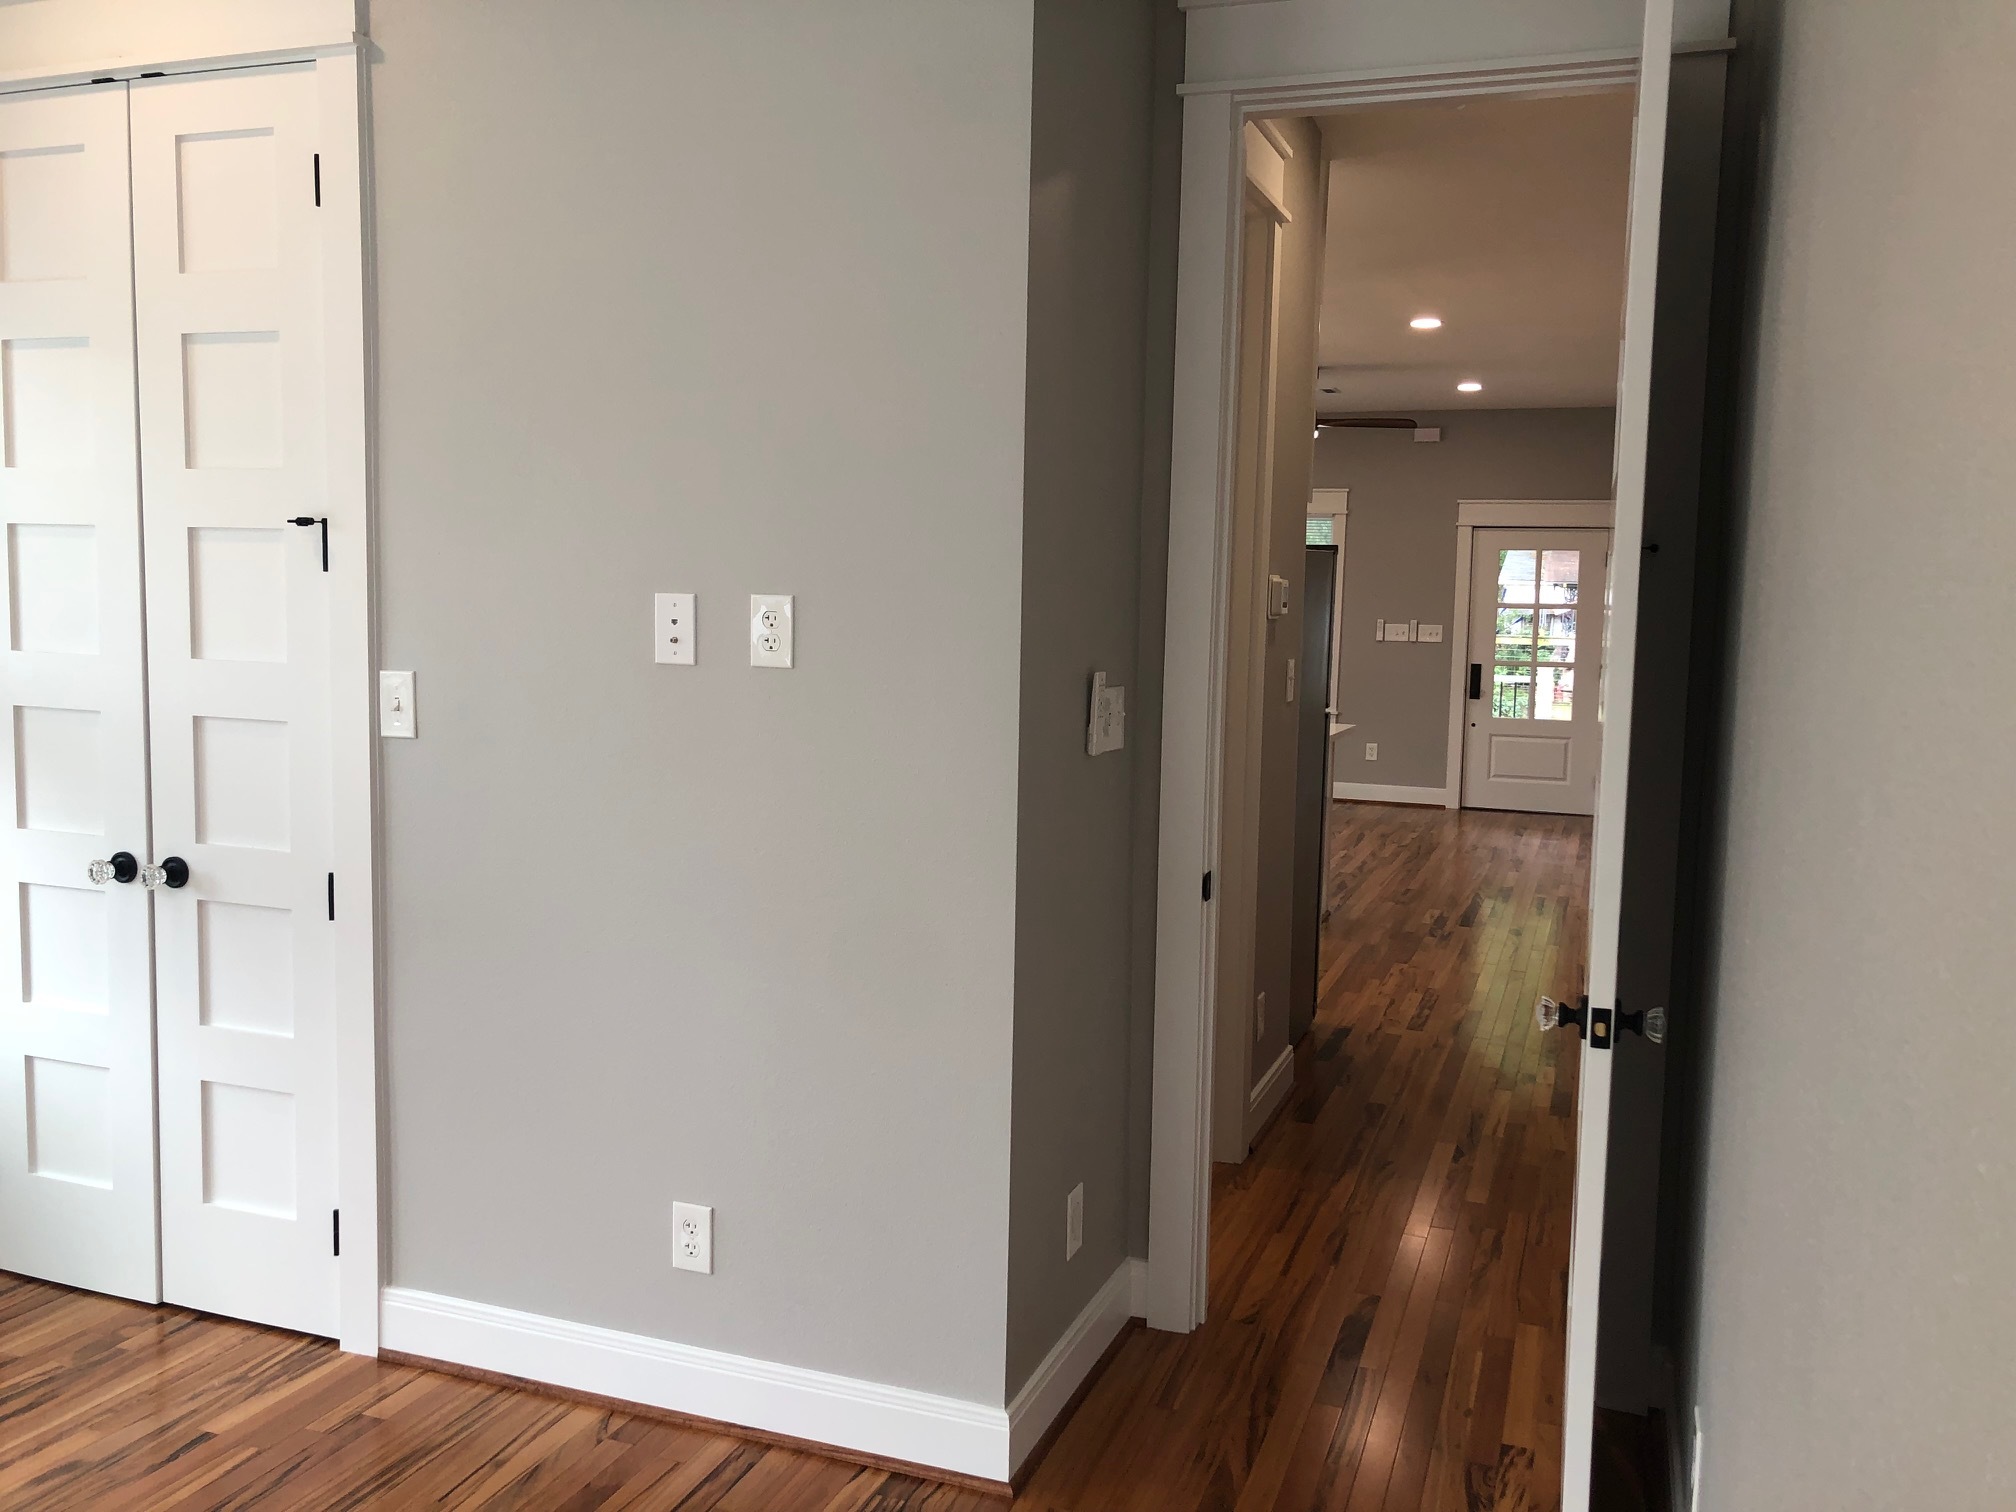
(1193, 718)
(1471, 516)
(341, 81)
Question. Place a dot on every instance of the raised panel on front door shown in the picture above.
(76, 1029)
(226, 264)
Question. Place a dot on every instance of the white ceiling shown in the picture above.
(1506, 218)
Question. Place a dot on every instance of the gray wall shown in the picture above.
(1300, 284)
(1400, 559)
(1855, 1320)
(729, 299)
(1088, 307)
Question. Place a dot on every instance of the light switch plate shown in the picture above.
(1074, 1220)
(1106, 723)
(673, 628)
(1429, 635)
(1398, 630)
(770, 629)
(396, 718)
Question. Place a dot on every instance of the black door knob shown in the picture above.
(122, 867)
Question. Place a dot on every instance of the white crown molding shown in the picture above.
(889, 1422)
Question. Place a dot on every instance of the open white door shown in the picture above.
(76, 1005)
(1620, 627)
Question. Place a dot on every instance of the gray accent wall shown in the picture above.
(1400, 560)
(1089, 217)
(1850, 1319)
(728, 299)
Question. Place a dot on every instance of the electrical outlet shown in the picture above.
(1260, 1017)
(1074, 1220)
(770, 630)
(1371, 750)
(1290, 690)
(693, 1237)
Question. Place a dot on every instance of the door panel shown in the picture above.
(1620, 641)
(1533, 735)
(76, 1032)
(227, 269)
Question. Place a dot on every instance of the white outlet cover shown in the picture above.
(1106, 724)
(396, 714)
(1371, 750)
(673, 627)
(693, 1237)
(1074, 1220)
(770, 629)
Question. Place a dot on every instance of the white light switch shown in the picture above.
(395, 705)
(672, 628)
(1429, 635)
(770, 629)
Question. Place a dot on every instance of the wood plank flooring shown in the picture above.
(1387, 1282)
(1389, 1265)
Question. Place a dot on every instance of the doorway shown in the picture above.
(1187, 977)
(188, 1031)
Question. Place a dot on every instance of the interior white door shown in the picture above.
(1620, 632)
(1531, 731)
(227, 270)
(76, 1030)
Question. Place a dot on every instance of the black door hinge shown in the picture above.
(332, 897)
(318, 181)
(1207, 887)
(336, 1232)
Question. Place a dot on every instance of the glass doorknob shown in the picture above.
(120, 868)
(173, 872)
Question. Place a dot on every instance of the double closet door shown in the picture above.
(167, 1082)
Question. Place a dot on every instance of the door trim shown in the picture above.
(1473, 515)
(348, 304)
(1196, 633)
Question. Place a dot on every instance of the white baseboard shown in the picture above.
(1373, 792)
(892, 1422)
(1049, 1390)
(1269, 1090)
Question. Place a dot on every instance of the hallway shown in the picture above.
(1388, 1268)
(1387, 1279)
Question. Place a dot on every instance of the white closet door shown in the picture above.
(76, 1022)
(228, 281)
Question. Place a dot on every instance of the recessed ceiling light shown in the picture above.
(1470, 386)
(1426, 322)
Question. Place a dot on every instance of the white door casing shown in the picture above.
(76, 1033)
(228, 275)
(1620, 631)
(1533, 734)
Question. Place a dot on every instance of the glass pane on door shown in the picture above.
(1560, 577)
(1515, 575)
(1511, 692)
(1515, 635)
(1557, 635)
(1554, 692)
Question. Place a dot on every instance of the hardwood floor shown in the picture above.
(1388, 1270)
(1389, 1265)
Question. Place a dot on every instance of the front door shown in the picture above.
(1532, 735)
